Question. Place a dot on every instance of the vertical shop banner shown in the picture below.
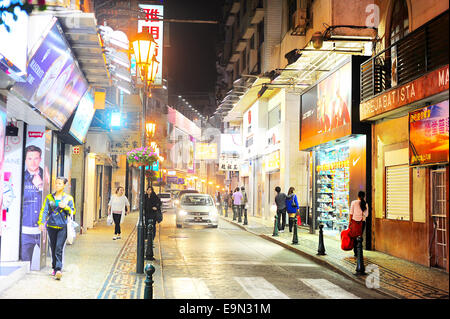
(154, 25)
(326, 109)
(428, 134)
(54, 83)
(36, 176)
(2, 157)
(357, 167)
(12, 190)
(191, 158)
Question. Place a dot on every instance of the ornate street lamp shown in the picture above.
(144, 47)
(150, 128)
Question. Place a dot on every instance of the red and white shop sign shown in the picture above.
(427, 85)
(153, 24)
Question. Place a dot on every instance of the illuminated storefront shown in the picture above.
(330, 130)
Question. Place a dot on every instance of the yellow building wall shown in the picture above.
(387, 132)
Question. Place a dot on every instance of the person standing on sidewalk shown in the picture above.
(116, 206)
(280, 201)
(219, 203)
(54, 213)
(357, 217)
(291, 207)
(225, 202)
(152, 206)
(237, 202)
(244, 202)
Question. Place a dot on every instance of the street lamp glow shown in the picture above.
(144, 47)
(150, 129)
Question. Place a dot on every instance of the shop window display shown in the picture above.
(333, 187)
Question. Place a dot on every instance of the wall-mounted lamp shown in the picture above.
(292, 56)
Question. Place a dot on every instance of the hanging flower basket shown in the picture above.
(142, 156)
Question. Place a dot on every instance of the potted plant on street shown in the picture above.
(142, 156)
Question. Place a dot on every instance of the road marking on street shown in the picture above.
(237, 262)
(190, 288)
(260, 288)
(327, 289)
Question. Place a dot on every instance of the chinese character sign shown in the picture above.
(229, 163)
(153, 24)
(428, 134)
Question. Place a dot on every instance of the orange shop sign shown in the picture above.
(427, 85)
(331, 166)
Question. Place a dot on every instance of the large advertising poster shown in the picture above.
(12, 190)
(54, 83)
(2, 148)
(36, 177)
(13, 44)
(2, 156)
(428, 134)
(83, 117)
(326, 109)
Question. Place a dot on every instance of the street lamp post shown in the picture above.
(144, 47)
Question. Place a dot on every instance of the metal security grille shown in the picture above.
(438, 214)
(397, 192)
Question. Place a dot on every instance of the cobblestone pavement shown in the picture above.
(397, 278)
(95, 267)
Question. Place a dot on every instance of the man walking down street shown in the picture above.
(280, 201)
(237, 202)
(244, 205)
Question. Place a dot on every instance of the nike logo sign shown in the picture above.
(356, 161)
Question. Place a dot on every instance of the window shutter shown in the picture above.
(397, 192)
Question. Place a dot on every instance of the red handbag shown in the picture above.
(299, 221)
(347, 242)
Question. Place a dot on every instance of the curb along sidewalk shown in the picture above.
(398, 278)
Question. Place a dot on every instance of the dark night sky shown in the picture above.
(191, 58)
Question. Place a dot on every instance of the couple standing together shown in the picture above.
(286, 203)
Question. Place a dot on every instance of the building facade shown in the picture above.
(404, 96)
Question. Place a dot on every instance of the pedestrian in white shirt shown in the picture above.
(116, 206)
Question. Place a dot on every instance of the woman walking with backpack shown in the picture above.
(292, 207)
(55, 212)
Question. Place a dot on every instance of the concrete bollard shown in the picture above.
(149, 250)
(321, 248)
(295, 237)
(360, 269)
(275, 226)
(148, 291)
(245, 216)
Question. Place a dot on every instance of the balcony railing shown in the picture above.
(419, 52)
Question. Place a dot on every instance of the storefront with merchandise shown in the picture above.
(35, 155)
(337, 142)
(410, 125)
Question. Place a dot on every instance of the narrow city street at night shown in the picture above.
(225, 158)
